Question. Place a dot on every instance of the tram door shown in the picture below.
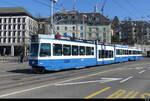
(101, 54)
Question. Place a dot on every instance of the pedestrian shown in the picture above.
(21, 57)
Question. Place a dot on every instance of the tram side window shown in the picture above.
(88, 50)
(99, 55)
(74, 50)
(130, 52)
(82, 50)
(117, 51)
(110, 54)
(103, 53)
(92, 51)
(66, 50)
(57, 49)
(45, 50)
(106, 54)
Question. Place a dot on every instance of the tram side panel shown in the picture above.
(105, 54)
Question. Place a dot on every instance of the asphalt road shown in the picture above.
(121, 80)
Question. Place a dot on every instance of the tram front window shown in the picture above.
(34, 50)
(45, 50)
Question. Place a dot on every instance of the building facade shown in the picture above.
(87, 26)
(16, 27)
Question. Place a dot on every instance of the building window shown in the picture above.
(23, 26)
(97, 35)
(0, 20)
(19, 26)
(73, 35)
(57, 28)
(81, 34)
(14, 33)
(5, 26)
(19, 20)
(18, 40)
(14, 27)
(73, 28)
(81, 27)
(9, 26)
(14, 20)
(4, 40)
(9, 40)
(9, 33)
(5, 33)
(23, 20)
(97, 29)
(90, 29)
(14, 40)
(65, 28)
(5, 20)
(23, 33)
(18, 33)
(104, 29)
(90, 35)
(9, 20)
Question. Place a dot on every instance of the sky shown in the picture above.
(135, 9)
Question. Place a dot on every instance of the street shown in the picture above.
(121, 80)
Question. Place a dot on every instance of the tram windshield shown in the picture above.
(34, 50)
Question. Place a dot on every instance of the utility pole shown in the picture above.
(52, 6)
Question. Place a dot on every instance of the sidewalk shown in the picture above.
(13, 65)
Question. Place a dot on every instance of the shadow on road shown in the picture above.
(24, 71)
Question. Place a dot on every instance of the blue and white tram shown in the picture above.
(52, 54)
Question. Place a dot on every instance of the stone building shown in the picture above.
(89, 26)
(16, 27)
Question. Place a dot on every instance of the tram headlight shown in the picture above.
(33, 62)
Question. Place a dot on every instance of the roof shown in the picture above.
(91, 17)
(14, 11)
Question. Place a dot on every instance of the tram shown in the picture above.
(50, 54)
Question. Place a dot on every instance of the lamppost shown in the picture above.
(84, 16)
(52, 5)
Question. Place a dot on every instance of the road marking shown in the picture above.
(149, 67)
(126, 96)
(43, 86)
(137, 68)
(103, 80)
(142, 71)
(117, 94)
(96, 93)
(145, 95)
(133, 96)
(126, 79)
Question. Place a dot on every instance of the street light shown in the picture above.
(52, 2)
(84, 25)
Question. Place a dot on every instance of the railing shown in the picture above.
(12, 59)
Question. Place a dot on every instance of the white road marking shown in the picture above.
(137, 68)
(142, 71)
(43, 86)
(126, 79)
(149, 67)
(103, 80)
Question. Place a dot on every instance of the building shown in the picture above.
(89, 26)
(16, 27)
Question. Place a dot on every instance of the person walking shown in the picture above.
(21, 57)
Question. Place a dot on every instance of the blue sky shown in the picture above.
(136, 9)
